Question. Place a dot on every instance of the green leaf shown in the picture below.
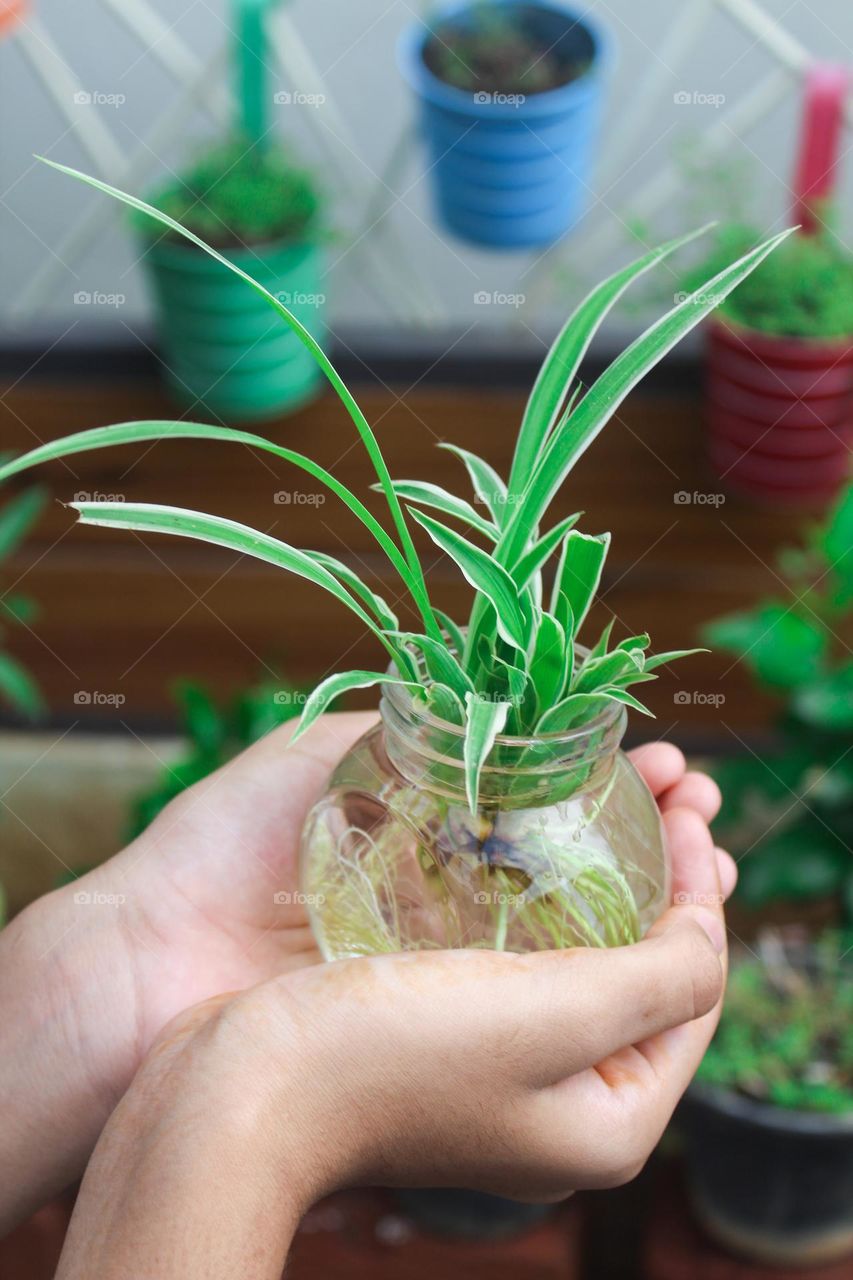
(562, 362)
(18, 517)
(18, 688)
(579, 572)
(837, 540)
(549, 663)
(577, 708)
(454, 632)
(600, 647)
(306, 338)
(655, 660)
(782, 648)
(432, 495)
(441, 665)
(18, 608)
(383, 613)
(627, 699)
(156, 429)
(827, 701)
(488, 487)
(485, 720)
(573, 436)
(204, 724)
(443, 703)
(533, 560)
(484, 574)
(335, 685)
(598, 672)
(151, 518)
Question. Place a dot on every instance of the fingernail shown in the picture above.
(713, 926)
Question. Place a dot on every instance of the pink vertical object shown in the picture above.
(820, 136)
(779, 410)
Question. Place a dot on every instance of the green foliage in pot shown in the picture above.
(513, 668)
(213, 735)
(790, 812)
(803, 291)
(493, 50)
(18, 690)
(786, 1031)
(236, 194)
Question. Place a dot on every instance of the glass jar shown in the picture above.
(566, 848)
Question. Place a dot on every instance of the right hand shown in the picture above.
(525, 1075)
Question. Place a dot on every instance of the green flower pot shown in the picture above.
(222, 345)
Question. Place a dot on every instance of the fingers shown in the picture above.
(695, 874)
(693, 791)
(661, 765)
(727, 869)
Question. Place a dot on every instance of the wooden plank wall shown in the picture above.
(125, 615)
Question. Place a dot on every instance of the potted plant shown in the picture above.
(219, 345)
(779, 352)
(769, 1119)
(788, 815)
(247, 196)
(491, 806)
(510, 95)
(779, 370)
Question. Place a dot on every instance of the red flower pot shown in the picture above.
(779, 412)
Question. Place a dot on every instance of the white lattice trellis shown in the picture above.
(405, 291)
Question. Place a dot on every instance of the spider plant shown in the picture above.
(515, 668)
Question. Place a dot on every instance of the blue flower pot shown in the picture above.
(511, 174)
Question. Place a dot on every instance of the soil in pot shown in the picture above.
(509, 109)
(222, 344)
(501, 51)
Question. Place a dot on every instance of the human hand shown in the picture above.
(528, 1076)
(199, 917)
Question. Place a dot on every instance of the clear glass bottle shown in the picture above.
(566, 848)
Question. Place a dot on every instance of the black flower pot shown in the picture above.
(772, 1184)
(468, 1215)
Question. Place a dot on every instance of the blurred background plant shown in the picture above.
(786, 1032)
(803, 291)
(235, 194)
(788, 813)
(214, 732)
(18, 689)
